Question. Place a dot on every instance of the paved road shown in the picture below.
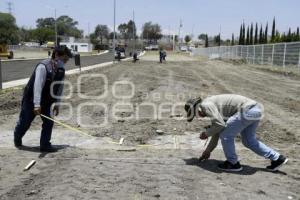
(15, 70)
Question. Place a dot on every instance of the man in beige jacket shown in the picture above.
(230, 115)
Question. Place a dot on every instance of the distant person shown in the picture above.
(161, 55)
(38, 99)
(135, 57)
(230, 115)
(164, 55)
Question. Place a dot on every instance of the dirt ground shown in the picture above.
(167, 166)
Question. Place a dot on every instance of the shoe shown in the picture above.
(275, 165)
(18, 142)
(227, 166)
(48, 149)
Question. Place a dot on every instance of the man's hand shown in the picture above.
(203, 136)
(205, 155)
(37, 110)
(56, 110)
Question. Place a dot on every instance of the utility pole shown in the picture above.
(114, 40)
(133, 32)
(180, 25)
(9, 7)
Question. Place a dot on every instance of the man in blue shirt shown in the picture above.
(39, 96)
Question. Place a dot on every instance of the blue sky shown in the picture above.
(198, 16)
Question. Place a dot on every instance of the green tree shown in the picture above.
(123, 29)
(8, 29)
(42, 35)
(244, 35)
(297, 35)
(289, 36)
(111, 35)
(261, 35)
(127, 30)
(217, 40)
(251, 34)
(202, 36)
(232, 40)
(152, 32)
(241, 35)
(266, 35)
(273, 31)
(256, 34)
(206, 40)
(66, 26)
(248, 36)
(48, 22)
(131, 29)
(187, 39)
(26, 35)
(101, 32)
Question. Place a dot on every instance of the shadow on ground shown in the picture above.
(212, 166)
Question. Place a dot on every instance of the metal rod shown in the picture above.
(114, 40)
(262, 54)
(299, 61)
(0, 75)
(284, 53)
(273, 55)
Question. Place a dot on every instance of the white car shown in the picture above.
(183, 48)
(122, 55)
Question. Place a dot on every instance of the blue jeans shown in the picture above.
(27, 116)
(245, 123)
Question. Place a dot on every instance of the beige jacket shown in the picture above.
(219, 108)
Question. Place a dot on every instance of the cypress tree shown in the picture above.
(289, 36)
(241, 35)
(248, 36)
(251, 34)
(232, 40)
(273, 31)
(256, 34)
(283, 38)
(261, 39)
(297, 35)
(244, 35)
(266, 35)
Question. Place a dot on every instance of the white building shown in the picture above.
(78, 46)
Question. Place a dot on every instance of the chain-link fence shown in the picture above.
(283, 55)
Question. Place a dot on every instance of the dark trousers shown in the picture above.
(27, 116)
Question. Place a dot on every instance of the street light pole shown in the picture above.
(133, 27)
(114, 40)
(55, 27)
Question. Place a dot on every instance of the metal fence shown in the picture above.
(283, 55)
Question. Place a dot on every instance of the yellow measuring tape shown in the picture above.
(112, 142)
(73, 128)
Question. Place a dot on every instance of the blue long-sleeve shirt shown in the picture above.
(39, 82)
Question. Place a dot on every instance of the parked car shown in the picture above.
(151, 48)
(184, 48)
